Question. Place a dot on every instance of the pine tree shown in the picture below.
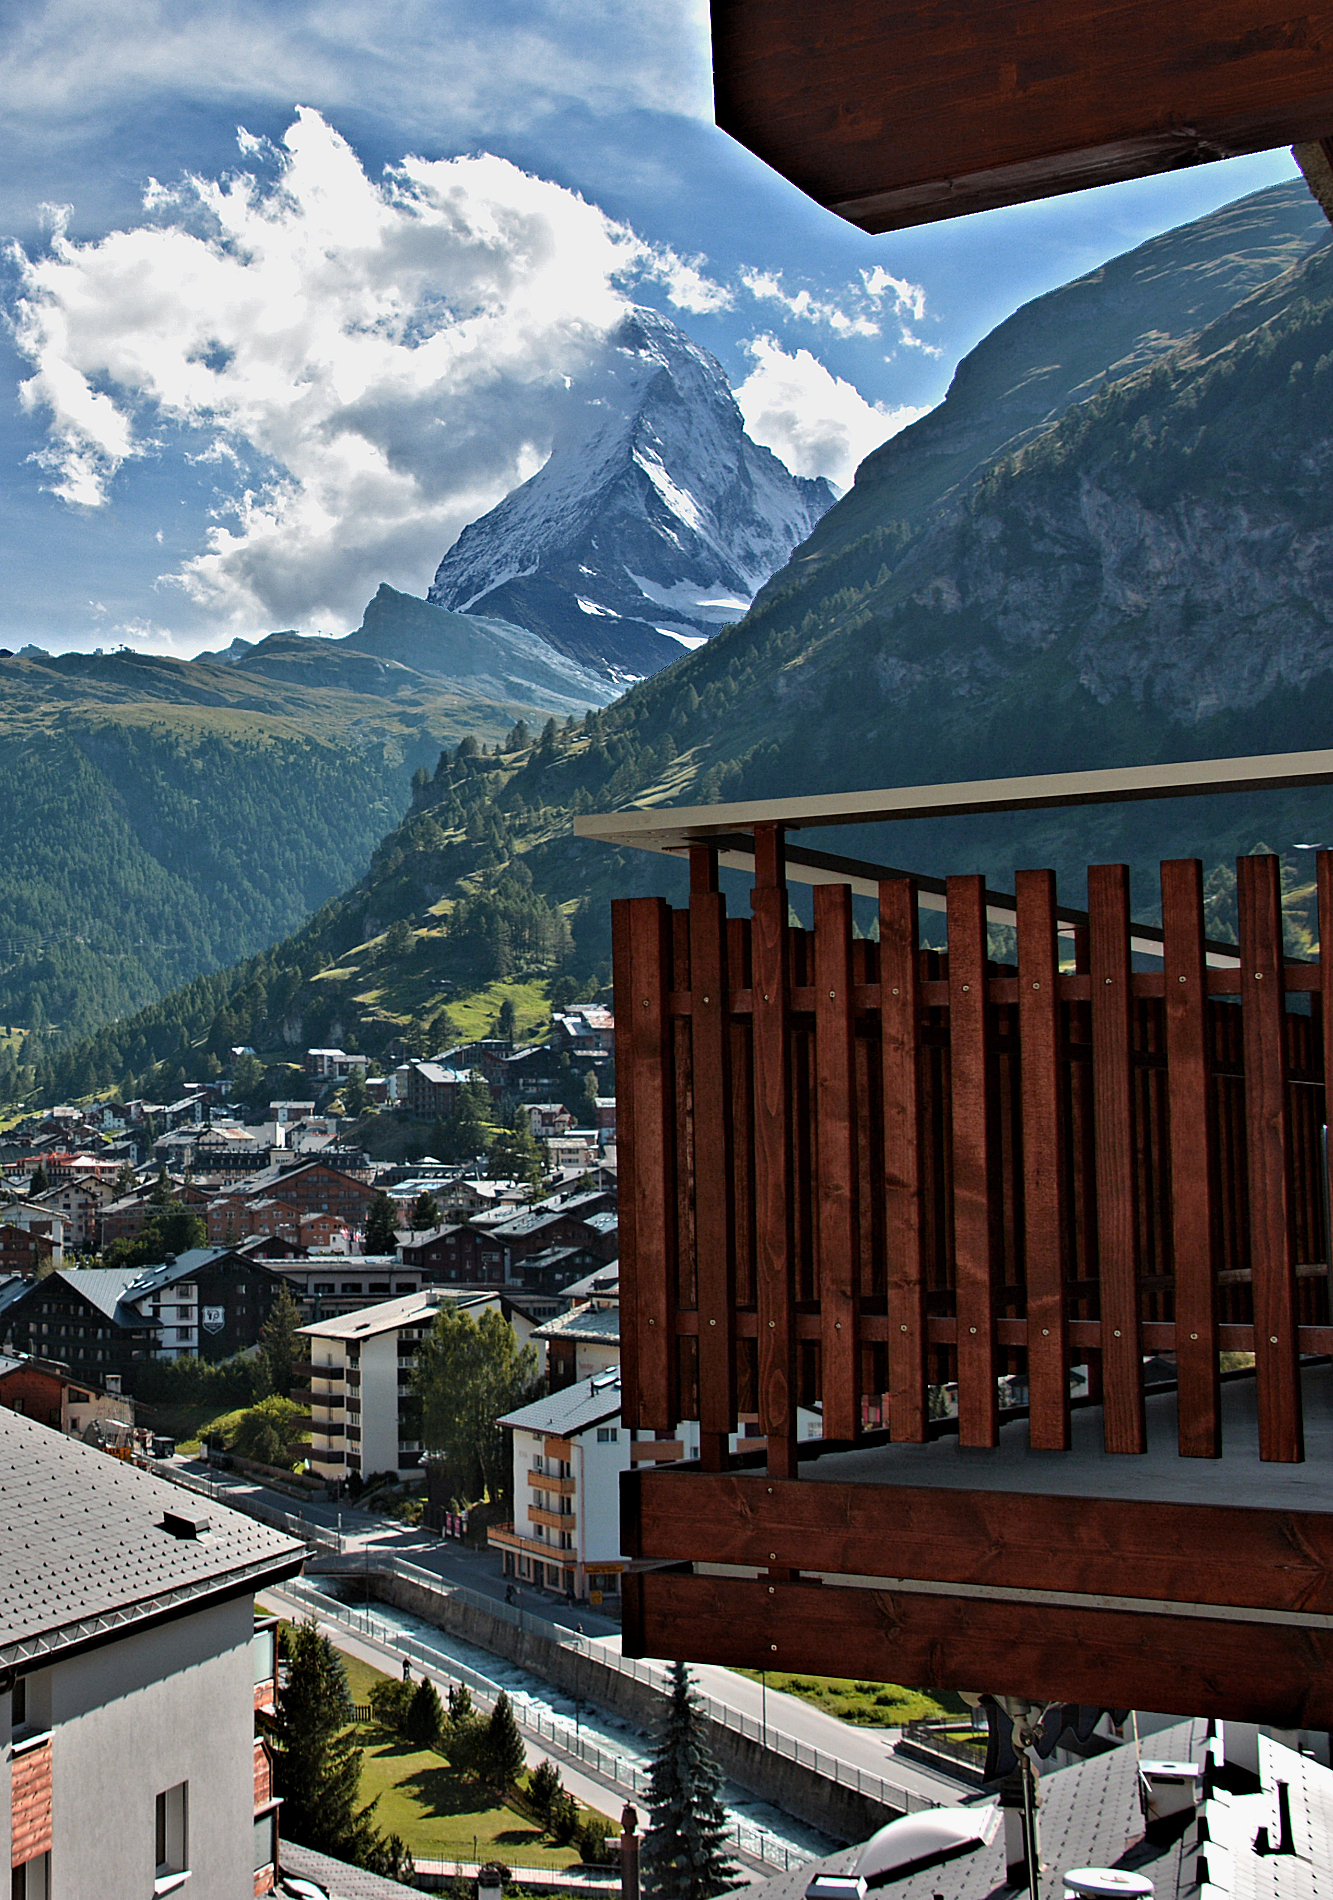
(381, 1234)
(505, 1755)
(316, 1764)
(425, 1717)
(280, 1343)
(684, 1857)
(425, 1211)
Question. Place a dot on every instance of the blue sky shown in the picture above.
(293, 291)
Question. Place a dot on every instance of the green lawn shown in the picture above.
(435, 1811)
(866, 1704)
(442, 1816)
(475, 1013)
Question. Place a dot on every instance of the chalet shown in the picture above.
(905, 1169)
(131, 1669)
(580, 1344)
(46, 1391)
(330, 1284)
(82, 1319)
(585, 1035)
(315, 1187)
(211, 1302)
(431, 1090)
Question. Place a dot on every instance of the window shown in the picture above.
(266, 1840)
(170, 1831)
(32, 1880)
(607, 1435)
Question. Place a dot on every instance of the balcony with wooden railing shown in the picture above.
(897, 1184)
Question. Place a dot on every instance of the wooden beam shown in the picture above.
(1205, 1666)
(1278, 1560)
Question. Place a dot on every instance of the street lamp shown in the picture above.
(763, 1702)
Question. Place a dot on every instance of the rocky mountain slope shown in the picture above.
(653, 522)
(1147, 575)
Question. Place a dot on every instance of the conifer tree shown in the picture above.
(425, 1717)
(425, 1211)
(382, 1226)
(684, 1854)
(505, 1756)
(316, 1763)
(280, 1343)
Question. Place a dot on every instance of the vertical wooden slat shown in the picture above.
(1324, 876)
(899, 980)
(835, 1114)
(774, 1285)
(713, 1224)
(1123, 1420)
(623, 981)
(1043, 1162)
(1268, 1146)
(652, 1163)
(974, 1270)
(1190, 1109)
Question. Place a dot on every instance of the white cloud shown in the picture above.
(766, 286)
(817, 423)
(686, 285)
(370, 365)
(427, 63)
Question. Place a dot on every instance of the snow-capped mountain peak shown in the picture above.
(654, 521)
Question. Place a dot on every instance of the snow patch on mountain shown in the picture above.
(653, 498)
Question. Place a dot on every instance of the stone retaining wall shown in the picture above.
(789, 1785)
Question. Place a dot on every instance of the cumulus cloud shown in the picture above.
(814, 421)
(766, 286)
(369, 364)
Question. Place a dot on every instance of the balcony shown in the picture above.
(920, 1178)
(553, 1520)
(505, 1537)
(320, 1430)
(327, 1402)
(307, 1369)
(562, 1487)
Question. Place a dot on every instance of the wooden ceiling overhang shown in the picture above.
(901, 115)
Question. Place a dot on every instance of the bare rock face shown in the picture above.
(653, 522)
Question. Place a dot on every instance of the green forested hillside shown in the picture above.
(160, 818)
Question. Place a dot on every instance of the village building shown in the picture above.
(46, 1391)
(131, 1668)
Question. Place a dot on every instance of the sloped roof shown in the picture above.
(595, 1325)
(105, 1288)
(84, 1554)
(573, 1409)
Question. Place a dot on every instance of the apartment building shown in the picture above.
(364, 1415)
(130, 1670)
(569, 1450)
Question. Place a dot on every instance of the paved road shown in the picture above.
(868, 1749)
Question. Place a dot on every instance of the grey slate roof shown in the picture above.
(105, 1288)
(599, 1325)
(341, 1880)
(1089, 1817)
(573, 1408)
(82, 1548)
(603, 1283)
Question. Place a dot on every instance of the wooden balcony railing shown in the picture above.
(854, 1170)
